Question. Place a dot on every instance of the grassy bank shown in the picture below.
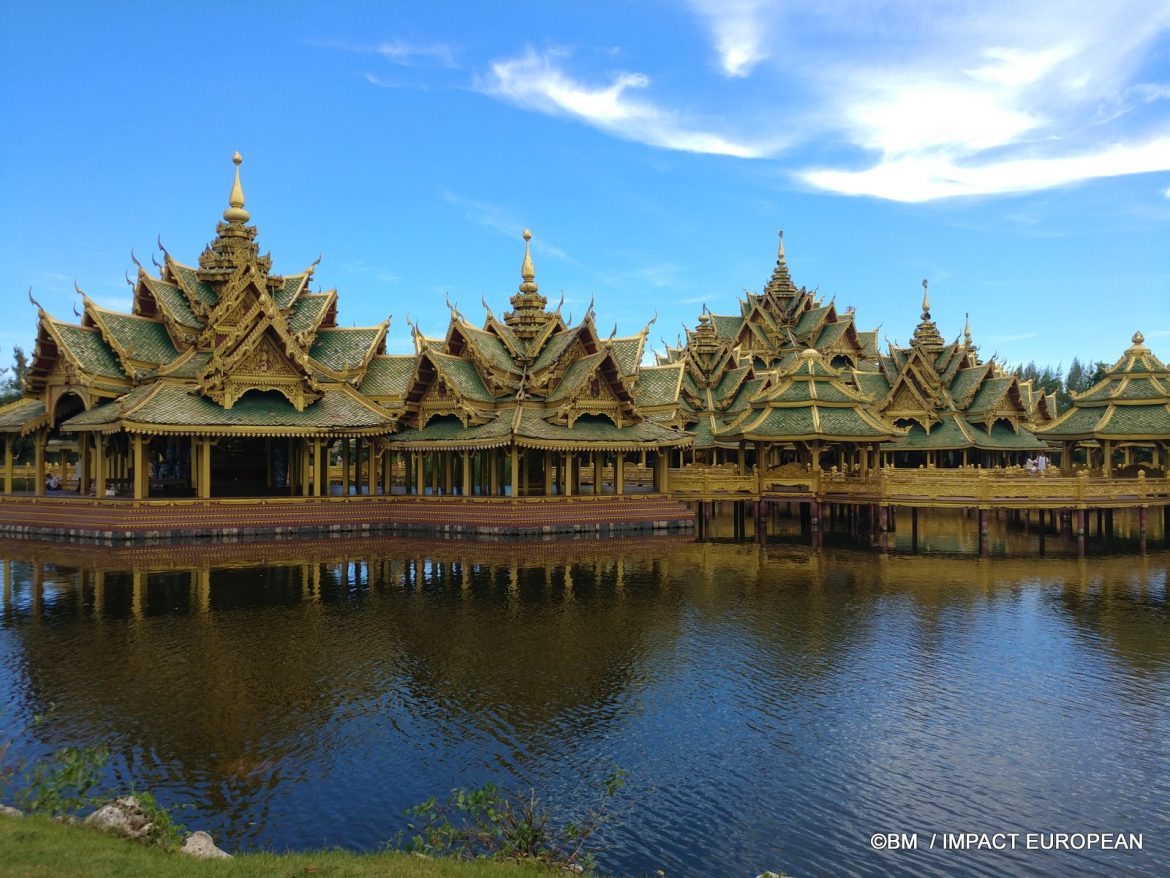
(35, 847)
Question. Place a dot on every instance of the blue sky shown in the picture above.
(1017, 154)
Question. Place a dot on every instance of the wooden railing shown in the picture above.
(959, 487)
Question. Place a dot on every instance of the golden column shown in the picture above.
(141, 476)
(42, 436)
(619, 471)
(8, 462)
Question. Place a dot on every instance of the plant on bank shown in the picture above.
(486, 822)
(65, 783)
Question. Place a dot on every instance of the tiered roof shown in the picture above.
(784, 320)
(1132, 402)
(535, 381)
(811, 402)
(225, 347)
(949, 398)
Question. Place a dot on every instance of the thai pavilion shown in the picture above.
(1122, 420)
(957, 409)
(229, 380)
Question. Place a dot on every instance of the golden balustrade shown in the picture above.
(968, 487)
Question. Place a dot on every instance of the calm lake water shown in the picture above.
(774, 707)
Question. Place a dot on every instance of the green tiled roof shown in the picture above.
(869, 343)
(16, 414)
(463, 376)
(1137, 420)
(448, 428)
(1003, 438)
(990, 393)
(948, 434)
(552, 350)
(1076, 423)
(657, 385)
(388, 375)
(490, 347)
(847, 422)
(191, 366)
(831, 333)
(627, 352)
(703, 432)
(286, 293)
(729, 383)
(726, 325)
(194, 286)
(575, 374)
(966, 382)
(90, 349)
(307, 312)
(786, 423)
(173, 302)
(810, 320)
(341, 349)
(108, 413)
(140, 337)
(167, 405)
(872, 384)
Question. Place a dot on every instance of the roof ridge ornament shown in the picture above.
(235, 212)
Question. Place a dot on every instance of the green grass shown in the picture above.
(35, 847)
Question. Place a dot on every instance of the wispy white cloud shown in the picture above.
(536, 80)
(402, 53)
(501, 219)
(409, 54)
(924, 177)
(739, 31)
(942, 98)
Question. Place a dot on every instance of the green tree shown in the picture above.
(12, 385)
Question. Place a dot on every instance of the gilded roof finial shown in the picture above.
(925, 299)
(780, 251)
(1138, 344)
(236, 213)
(527, 270)
(967, 329)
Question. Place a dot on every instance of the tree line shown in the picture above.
(1079, 378)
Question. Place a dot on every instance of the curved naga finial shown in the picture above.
(158, 240)
(129, 282)
(34, 301)
(79, 290)
(613, 334)
(315, 263)
(76, 313)
(589, 312)
(154, 262)
(134, 258)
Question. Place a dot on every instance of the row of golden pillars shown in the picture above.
(132, 465)
(861, 458)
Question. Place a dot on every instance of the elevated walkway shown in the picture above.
(125, 519)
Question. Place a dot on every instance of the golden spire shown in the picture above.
(236, 213)
(1138, 344)
(529, 314)
(967, 329)
(927, 335)
(781, 281)
(527, 270)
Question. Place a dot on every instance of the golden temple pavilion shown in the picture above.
(229, 380)
(230, 398)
